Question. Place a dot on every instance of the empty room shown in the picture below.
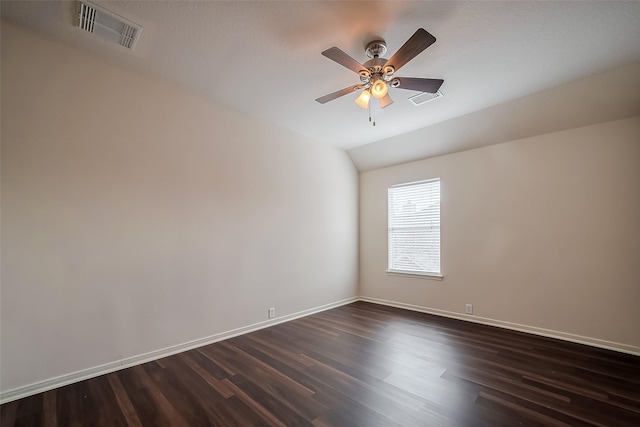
(320, 213)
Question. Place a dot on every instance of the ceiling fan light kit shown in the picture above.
(377, 74)
(379, 88)
(363, 99)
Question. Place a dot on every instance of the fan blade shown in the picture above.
(422, 85)
(343, 59)
(338, 94)
(419, 41)
(385, 101)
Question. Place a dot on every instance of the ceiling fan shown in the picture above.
(378, 74)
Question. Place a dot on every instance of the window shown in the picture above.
(414, 228)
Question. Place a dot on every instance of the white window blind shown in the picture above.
(414, 228)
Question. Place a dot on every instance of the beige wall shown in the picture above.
(137, 216)
(542, 232)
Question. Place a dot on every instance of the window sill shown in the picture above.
(430, 276)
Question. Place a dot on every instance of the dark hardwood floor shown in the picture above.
(357, 365)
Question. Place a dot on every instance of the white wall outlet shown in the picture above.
(468, 308)
(272, 312)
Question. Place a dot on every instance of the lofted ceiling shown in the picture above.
(263, 57)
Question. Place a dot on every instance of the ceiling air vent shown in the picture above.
(425, 97)
(108, 25)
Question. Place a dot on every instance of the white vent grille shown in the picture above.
(424, 97)
(108, 25)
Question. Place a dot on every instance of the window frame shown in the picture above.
(415, 273)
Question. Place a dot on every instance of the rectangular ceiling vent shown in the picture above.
(108, 25)
(424, 97)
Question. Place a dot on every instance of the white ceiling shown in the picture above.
(263, 57)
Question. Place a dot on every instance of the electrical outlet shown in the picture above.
(272, 312)
(469, 308)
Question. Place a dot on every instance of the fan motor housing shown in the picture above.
(375, 63)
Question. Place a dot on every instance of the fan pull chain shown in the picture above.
(374, 116)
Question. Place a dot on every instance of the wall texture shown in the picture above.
(138, 216)
(541, 234)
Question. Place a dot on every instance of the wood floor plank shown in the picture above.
(190, 360)
(124, 402)
(106, 410)
(140, 397)
(255, 362)
(360, 364)
(233, 412)
(49, 418)
(8, 413)
(256, 407)
(166, 409)
(275, 403)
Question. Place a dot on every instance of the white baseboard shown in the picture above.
(595, 342)
(41, 386)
